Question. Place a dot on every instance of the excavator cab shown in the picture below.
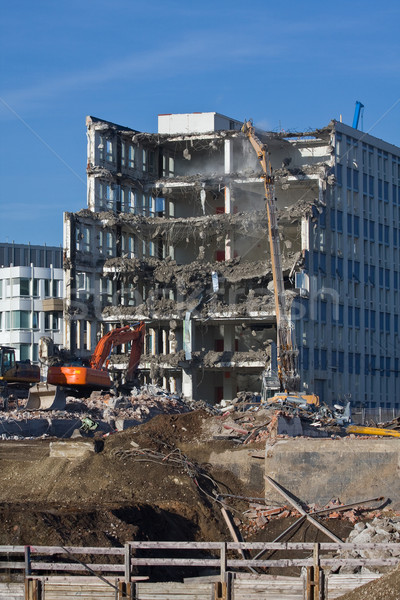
(7, 356)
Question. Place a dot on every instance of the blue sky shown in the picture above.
(293, 66)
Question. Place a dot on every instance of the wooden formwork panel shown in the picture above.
(341, 584)
(89, 592)
(83, 588)
(12, 591)
(174, 591)
(269, 589)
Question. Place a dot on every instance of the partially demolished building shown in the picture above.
(175, 233)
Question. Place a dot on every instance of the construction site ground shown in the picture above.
(150, 482)
(106, 498)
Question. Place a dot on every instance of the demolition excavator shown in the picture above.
(287, 353)
(80, 378)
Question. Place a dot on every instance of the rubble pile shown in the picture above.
(260, 422)
(139, 406)
(381, 530)
(259, 515)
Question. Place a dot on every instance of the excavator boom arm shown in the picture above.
(130, 333)
(287, 354)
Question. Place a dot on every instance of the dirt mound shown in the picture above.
(163, 431)
(384, 588)
(118, 494)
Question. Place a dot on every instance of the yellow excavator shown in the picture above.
(16, 372)
(287, 353)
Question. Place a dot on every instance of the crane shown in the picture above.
(287, 353)
(358, 112)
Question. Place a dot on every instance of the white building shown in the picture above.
(175, 234)
(31, 297)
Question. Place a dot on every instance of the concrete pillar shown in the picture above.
(172, 385)
(153, 338)
(165, 341)
(172, 341)
(229, 338)
(228, 159)
(188, 382)
(164, 383)
(228, 156)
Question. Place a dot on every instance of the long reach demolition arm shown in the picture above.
(287, 352)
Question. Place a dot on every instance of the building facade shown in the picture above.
(31, 297)
(175, 234)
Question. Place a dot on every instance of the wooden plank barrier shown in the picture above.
(118, 580)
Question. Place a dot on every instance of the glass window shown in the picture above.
(371, 185)
(339, 221)
(339, 175)
(123, 154)
(341, 362)
(356, 222)
(20, 319)
(132, 157)
(24, 352)
(355, 180)
(305, 357)
(340, 267)
(350, 361)
(109, 151)
(348, 178)
(350, 316)
(372, 231)
(316, 358)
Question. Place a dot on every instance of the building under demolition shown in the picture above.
(175, 233)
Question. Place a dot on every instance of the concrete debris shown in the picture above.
(380, 530)
(113, 412)
(259, 515)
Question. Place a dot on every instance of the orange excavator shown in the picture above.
(51, 395)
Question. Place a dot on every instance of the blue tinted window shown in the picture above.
(339, 174)
(372, 231)
(355, 180)
(356, 270)
(349, 224)
(316, 358)
(386, 191)
(339, 223)
(373, 319)
(380, 189)
(350, 316)
(340, 267)
(356, 226)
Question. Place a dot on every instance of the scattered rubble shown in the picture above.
(382, 529)
(110, 408)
